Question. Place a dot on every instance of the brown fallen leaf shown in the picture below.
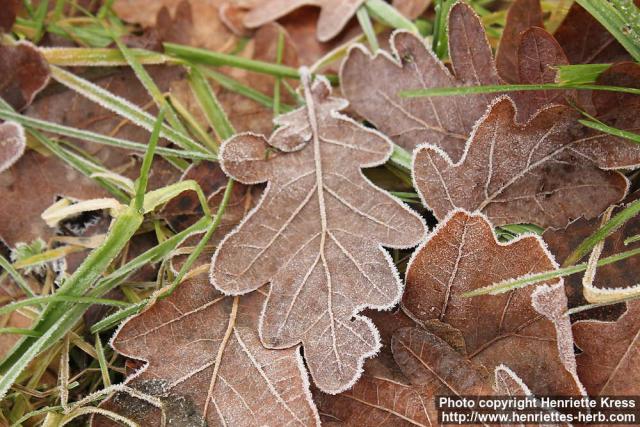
(412, 9)
(43, 179)
(522, 15)
(206, 364)
(334, 16)
(621, 274)
(206, 30)
(608, 363)
(545, 172)
(461, 255)
(538, 56)
(586, 41)
(8, 14)
(316, 235)
(24, 73)
(372, 85)
(12, 144)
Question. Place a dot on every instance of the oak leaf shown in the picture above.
(12, 144)
(621, 274)
(204, 360)
(334, 16)
(546, 172)
(24, 71)
(372, 85)
(522, 15)
(586, 41)
(610, 357)
(513, 329)
(43, 179)
(8, 14)
(316, 235)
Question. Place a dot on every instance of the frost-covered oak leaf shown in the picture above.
(522, 15)
(372, 85)
(316, 235)
(609, 363)
(23, 73)
(547, 172)
(334, 16)
(519, 329)
(12, 144)
(205, 363)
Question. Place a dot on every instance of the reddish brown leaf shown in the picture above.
(12, 144)
(538, 55)
(207, 365)
(621, 274)
(8, 14)
(522, 15)
(316, 235)
(610, 358)
(372, 85)
(461, 255)
(43, 179)
(334, 16)
(206, 31)
(411, 8)
(546, 172)
(24, 73)
(586, 41)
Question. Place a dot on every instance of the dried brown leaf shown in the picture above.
(42, 179)
(411, 8)
(522, 15)
(538, 55)
(206, 31)
(461, 255)
(334, 16)
(12, 144)
(586, 41)
(8, 14)
(610, 358)
(372, 85)
(545, 172)
(621, 274)
(24, 73)
(207, 365)
(316, 235)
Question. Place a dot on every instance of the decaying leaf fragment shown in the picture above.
(545, 172)
(12, 144)
(207, 365)
(610, 358)
(516, 329)
(23, 73)
(372, 85)
(316, 235)
(334, 16)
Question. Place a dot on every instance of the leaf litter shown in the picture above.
(276, 319)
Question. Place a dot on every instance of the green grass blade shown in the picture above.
(115, 318)
(209, 104)
(634, 137)
(520, 282)
(97, 138)
(16, 276)
(99, 57)
(401, 157)
(38, 300)
(580, 74)
(440, 42)
(610, 227)
(246, 91)
(365, 23)
(470, 90)
(208, 57)
(121, 107)
(621, 18)
(145, 168)
(384, 13)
